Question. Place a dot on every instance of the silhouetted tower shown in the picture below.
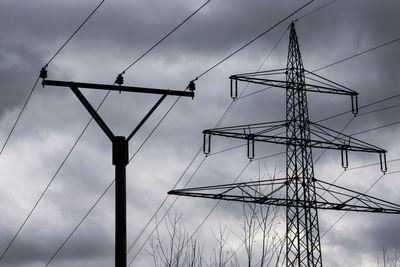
(300, 192)
(302, 242)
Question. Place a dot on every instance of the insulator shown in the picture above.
(206, 143)
(192, 86)
(43, 73)
(345, 159)
(250, 147)
(233, 88)
(354, 105)
(119, 80)
(382, 157)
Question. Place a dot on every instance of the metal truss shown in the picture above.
(300, 192)
(272, 192)
(274, 132)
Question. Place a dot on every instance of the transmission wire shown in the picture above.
(58, 51)
(79, 224)
(251, 41)
(48, 185)
(337, 62)
(229, 108)
(165, 37)
(260, 36)
(264, 61)
(37, 80)
(20, 114)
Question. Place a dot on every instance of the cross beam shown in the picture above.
(118, 88)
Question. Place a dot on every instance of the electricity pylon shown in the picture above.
(300, 192)
(120, 153)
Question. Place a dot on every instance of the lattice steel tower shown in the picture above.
(303, 193)
(302, 230)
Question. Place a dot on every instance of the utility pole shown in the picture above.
(120, 153)
(304, 194)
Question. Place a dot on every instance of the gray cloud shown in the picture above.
(120, 31)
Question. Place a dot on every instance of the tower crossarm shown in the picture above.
(271, 192)
(274, 132)
(276, 78)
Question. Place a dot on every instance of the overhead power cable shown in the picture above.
(79, 224)
(218, 152)
(239, 97)
(75, 32)
(37, 80)
(218, 202)
(253, 40)
(315, 10)
(359, 54)
(48, 185)
(165, 37)
(366, 192)
(19, 116)
(232, 103)
(207, 216)
(337, 62)
(83, 131)
(376, 128)
(221, 62)
(228, 109)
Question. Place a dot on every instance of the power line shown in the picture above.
(19, 116)
(228, 109)
(316, 10)
(317, 159)
(218, 201)
(366, 192)
(62, 164)
(79, 224)
(176, 198)
(359, 54)
(221, 62)
(210, 212)
(37, 80)
(75, 32)
(22, 110)
(376, 128)
(165, 214)
(242, 92)
(253, 40)
(196, 78)
(339, 61)
(142, 231)
(48, 185)
(165, 37)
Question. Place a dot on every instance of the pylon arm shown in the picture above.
(274, 132)
(276, 78)
(272, 192)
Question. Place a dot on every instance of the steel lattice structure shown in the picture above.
(300, 192)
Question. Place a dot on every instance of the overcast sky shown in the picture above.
(119, 32)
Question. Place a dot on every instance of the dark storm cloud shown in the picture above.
(31, 31)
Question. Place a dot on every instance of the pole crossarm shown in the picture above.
(274, 132)
(118, 88)
(276, 78)
(272, 192)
